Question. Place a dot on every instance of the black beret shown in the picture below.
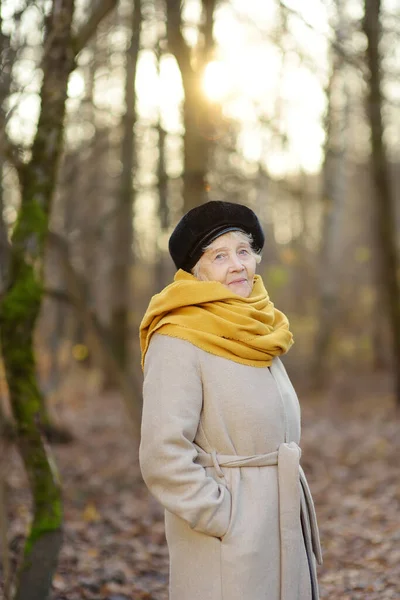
(204, 223)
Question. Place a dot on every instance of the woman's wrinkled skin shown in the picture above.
(230, 260)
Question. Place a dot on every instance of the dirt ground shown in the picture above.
(114, 545)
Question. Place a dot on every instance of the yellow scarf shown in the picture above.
(250, 331)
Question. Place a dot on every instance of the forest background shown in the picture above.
(116, 118)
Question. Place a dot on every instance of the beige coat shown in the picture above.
(219, 451)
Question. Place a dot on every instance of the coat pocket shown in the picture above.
(224, 480)
(228, 483)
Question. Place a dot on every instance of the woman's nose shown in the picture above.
(236, 263)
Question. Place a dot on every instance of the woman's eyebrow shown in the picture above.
(225, 248)
(219, 249)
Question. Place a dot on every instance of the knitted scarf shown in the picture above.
(250, 331)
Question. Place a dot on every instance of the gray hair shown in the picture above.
(241, 235)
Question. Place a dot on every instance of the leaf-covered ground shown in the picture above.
(114, 546)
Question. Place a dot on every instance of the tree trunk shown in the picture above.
(7, 57)
(161, 269)
(123, 230)
(21, 307)
(4, 244)
(196, 139)
(384, 200)
(85, 216)
(4, 462)
(333, 200)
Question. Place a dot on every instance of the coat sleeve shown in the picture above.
(172, 402)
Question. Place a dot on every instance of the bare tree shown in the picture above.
(384, 199)
(123, 228)
(163, 264)
(195, 113)
(22, 299)
(334, 188)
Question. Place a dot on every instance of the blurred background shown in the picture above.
(169, 105)
(116, 117)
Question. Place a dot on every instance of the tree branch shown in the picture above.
(88, 29)
(351, 59)
(208, 25)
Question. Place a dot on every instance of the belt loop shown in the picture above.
(216, 463)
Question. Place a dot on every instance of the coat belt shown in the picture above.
(296, 507)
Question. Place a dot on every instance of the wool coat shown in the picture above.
(219, 450)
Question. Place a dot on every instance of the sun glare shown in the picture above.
(76, 85)
(256, 82)
(216, 81)
(260, 83)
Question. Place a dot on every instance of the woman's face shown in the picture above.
(229, 260)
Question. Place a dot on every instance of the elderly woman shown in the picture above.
(221, 421)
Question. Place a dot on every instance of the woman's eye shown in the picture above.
(244, 251)
(219, 256)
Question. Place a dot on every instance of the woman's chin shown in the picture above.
(241, 289)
